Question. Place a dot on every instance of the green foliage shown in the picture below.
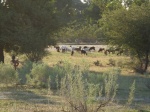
(106, 5)
(60, 70)
(27, 27)
(37, 74)
(129, 3)
(94, 78)
(131, 94)
(78, 92)
(130, 29)
(78, 32)
(92, 13)
(73, 89)
(8, 75)
(110, 83)
(24, 70)
(38, 77)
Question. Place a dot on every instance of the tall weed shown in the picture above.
(80, 94)
(131, 94)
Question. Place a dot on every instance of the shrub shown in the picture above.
(8, 75)
(78, 92)
(39, 75)
(98, 63)
(120, 64)
(24, 70)
(61, 69)
(112, 62)
(94, 78)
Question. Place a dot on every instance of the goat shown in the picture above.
(83, 52)
(57, 48)
(78, 49)
(92, 48)
(101, 49)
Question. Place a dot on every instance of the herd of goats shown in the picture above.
(83, 50)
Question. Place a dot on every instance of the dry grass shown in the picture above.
(54, 57)
(24, 99)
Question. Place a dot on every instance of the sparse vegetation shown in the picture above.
(8, 75)
(114, 76)
(83, 86)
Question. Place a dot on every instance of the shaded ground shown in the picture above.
(22, 100)
(16, 100)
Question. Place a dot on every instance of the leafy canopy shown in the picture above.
(129, 28)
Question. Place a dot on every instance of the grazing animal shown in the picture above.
(85, 47)
(105, 52)
(65, 49)
(101, 49)
(118, 50)
(78, 49)
(88, 48)
(92, 48)
(72, 50)
(83, 52)
(109, 51)
(57, 48)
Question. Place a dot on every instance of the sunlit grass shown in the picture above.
(40, 100)
(55, 57)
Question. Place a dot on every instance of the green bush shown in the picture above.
(83, 96)
(94, 78)
(24, 70)
(8, 75)
(59, 71)
(38, 77)
(38, 74)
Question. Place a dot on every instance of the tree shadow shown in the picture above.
(141, 94)
(142, 91)
(24, 95)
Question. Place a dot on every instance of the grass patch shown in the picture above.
(25, 98)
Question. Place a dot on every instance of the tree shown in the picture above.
(92, 12)
(128, 3)
(130, 28)
(69, 10)
(105, 5)
(78, 32)
(27, 25)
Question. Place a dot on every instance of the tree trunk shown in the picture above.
(141, 62)
(1, 54)
(146, 61)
